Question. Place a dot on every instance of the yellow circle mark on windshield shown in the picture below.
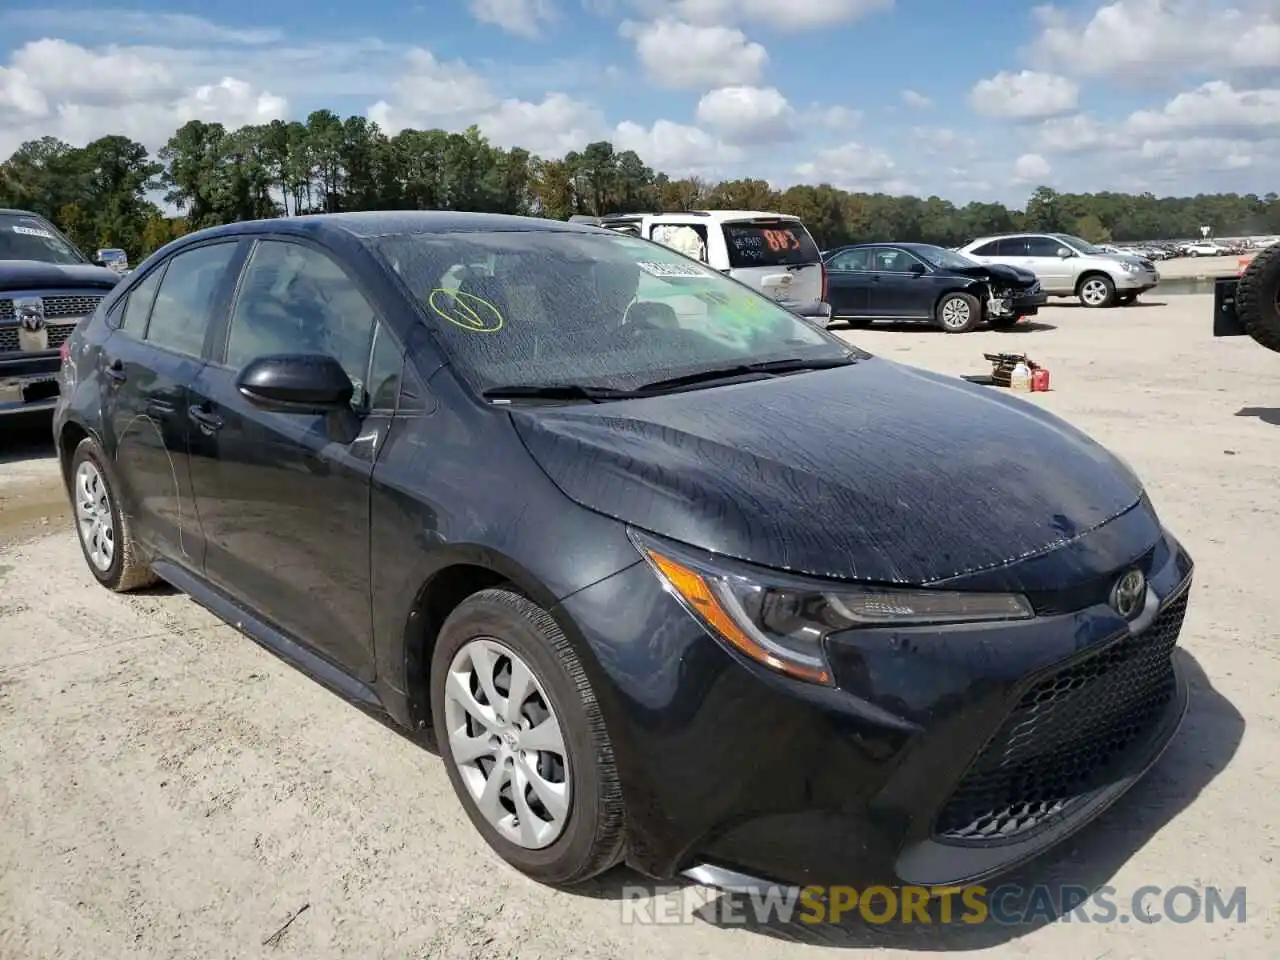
(466, 310)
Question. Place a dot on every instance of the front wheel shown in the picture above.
(958, 312)
(1097, 290)
(524, 740)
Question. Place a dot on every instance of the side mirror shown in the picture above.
(917, 268)
(1065, 254)
(296, 383)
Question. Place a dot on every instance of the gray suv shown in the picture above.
(1070, 267)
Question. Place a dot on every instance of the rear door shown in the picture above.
(775, 255)
(849, 282)
(154, 353)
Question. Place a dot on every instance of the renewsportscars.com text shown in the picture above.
(1007, 905)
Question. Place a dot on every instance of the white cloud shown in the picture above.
(943, 142)
(1160, 39)
(1214, 108)
(1031, 168)
(795, 15)
(681, 55)
(918, 100)
(60, 89)
(747, 114)
(675, 148)
(524, 18)
(1028, 95)
(120, 24)
(855, 167)
(550, 128)
(837, 118)
(1078, 133)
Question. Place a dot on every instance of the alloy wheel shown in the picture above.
(506, 741)
(1093, 292)
(955, 314)
(94, 518)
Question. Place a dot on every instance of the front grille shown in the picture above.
(58, 333)
(1070, 734)
(60, 306)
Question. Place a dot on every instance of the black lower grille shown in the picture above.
(1069, 735)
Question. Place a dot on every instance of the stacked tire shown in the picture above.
(1258, 298)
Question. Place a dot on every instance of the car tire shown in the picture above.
(104, 530)
(958, 312)
(499, 631)
(1096, 290)
(1258, 298)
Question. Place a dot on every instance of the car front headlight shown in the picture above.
(1128, 267)
(781, 620)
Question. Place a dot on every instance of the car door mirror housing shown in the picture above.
(296, 383)
(1065, 254)
(918, 269)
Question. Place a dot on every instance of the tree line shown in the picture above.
(99, 194)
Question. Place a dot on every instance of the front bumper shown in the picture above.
(894, 776)
(29, 382)
(1137, 282)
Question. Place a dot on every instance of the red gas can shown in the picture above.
(1039, 379)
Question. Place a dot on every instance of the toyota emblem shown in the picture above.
(1129, 595)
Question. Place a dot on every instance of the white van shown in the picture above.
(771, 252)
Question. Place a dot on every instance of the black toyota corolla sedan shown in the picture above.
(670, 574)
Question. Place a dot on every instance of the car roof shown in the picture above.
(369, 225)
(21, 213)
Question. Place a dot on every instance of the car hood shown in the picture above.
(876, 472)
(1002, 272)
(38, 275)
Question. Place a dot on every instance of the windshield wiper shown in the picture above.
(766, 367)
(555, 391)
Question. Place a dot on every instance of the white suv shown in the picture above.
(771, 252)
(1070, 267)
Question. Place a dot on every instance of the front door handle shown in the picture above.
(115, 370)
(207, 420)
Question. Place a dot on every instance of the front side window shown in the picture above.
(1079, 245)
(31, 238)
(608, 310)
(944, 259)
(294, 299)
(180, 315)
(889, 260)
(1043, 247)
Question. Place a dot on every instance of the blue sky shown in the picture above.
(968, 102)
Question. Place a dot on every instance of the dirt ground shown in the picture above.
(168, 789)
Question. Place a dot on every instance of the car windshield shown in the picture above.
(943, 259)
(600, 309)
(30, 238)
(1081, 246)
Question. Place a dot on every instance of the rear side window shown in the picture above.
(769, 243)
(181, 312)
(851, 260)
(138, 307)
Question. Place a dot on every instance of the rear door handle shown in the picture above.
(115, 370)
(209, 421)
(159, 408)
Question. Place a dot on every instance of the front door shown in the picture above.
(897, 290)
(150, 359)
(1045, 258)
(283, 497)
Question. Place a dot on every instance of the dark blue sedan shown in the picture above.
(918, 281)
(669, 574)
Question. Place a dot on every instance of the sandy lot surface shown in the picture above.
(168, 789)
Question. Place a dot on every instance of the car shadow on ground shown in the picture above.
(923, 326)
(1269, 415)
(1077, 305)
(1087, 862)
(26, 437)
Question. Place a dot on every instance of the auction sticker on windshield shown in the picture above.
(673, 269)
(33, 232)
